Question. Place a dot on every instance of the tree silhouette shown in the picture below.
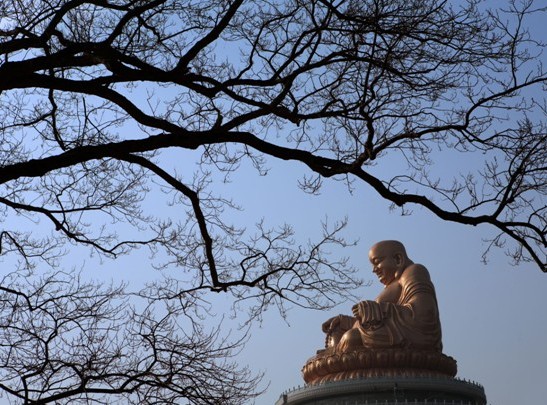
(96, 96)
(64, 340)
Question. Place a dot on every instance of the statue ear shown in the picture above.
(399, 259)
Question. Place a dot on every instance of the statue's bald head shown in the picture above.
(388, 259)
(390, 247)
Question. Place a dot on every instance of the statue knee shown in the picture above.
(350, 340)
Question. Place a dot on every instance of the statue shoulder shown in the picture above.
(416, 273)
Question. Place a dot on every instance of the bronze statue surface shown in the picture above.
(398, 333)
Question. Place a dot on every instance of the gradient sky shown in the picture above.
(494, 315)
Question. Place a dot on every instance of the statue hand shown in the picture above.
(331, 324)
(355, 310)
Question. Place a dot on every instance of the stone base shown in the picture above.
(365, 363)
(388, 391)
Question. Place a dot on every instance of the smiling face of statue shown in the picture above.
(387, 259)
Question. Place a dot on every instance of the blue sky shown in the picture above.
(494, 316)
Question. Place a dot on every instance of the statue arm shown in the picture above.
(369, 312)
(335, 327)
(420, 303)
(338, 323)
(416, 300)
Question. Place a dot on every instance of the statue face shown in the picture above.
(385, 263)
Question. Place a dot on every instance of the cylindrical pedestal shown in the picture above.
(388, 391)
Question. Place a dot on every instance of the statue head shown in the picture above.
(388, 259)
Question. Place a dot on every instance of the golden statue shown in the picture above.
(397, 333)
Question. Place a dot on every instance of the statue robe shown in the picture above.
(405, 314)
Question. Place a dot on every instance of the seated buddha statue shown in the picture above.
(404, 315)
(397, 334)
